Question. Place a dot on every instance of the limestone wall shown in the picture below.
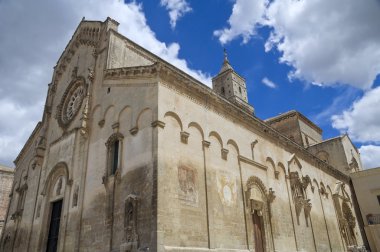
(204, 168)
(6, 180)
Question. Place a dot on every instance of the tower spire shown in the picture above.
(226, 64)
(231, 86)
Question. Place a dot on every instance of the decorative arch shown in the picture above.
(141, 115)
(54, 190)
(113, 138)
(95, 110)
(316, 183)
(124, 110)
(253, 180)
(281, 166)
(217, 136)
(114, 146)
(198, 127)
(271, 163)
(258, 204)
(176, 117)
(329, 189)
(234, 144)
(106, 111)
(60, 169)
(294, 164)
(323, 191)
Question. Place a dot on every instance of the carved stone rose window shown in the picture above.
(71, 102)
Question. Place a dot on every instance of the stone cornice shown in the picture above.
(149, 71)
(28, 143)
(366, 173)
(252, 162)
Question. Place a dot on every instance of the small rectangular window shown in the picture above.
(378, 199)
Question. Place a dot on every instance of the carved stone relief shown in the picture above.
(75, 196)
(298, 186)
(130, 224)
(259, 201)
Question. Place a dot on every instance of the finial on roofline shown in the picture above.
(226, 64)
(225, 55)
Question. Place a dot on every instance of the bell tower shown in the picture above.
(231, 86)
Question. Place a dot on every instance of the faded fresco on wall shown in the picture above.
(227, 188)
(187, 179)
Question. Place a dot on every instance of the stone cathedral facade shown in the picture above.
(133, 154)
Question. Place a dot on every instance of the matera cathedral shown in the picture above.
(132, 154)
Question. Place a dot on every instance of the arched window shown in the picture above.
(240, 90)
(114, 144)
(115, 156)
(223, 91)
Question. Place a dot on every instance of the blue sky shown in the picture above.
(321, 58)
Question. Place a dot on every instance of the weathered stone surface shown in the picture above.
(6, 180)
(150, 159)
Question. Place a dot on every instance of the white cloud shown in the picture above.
(268, 83)
(370, 156)
(326, 42)
(36, 34)
(246, 15)
(177, 9)
(362, 120)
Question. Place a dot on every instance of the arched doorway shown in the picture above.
(258, 232)
(258, 202)
(54, 193)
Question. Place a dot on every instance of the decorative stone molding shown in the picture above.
(158, 123)
(134, 131)
(298, 187)
(276, 174)
(130, 224)
(184, 136)
(66, 111)
(252, 162)
(88, 34)
(149, 71)
(75, 196)
(306, 181)
(307, 208)
(113, 138)
(323, 192)
(271, 195)
(115, 125)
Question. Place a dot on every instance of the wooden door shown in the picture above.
(55, 220)
(258, 232)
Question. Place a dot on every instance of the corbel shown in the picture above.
(184, 137)
(206, 143)
(224, 153)
(158, 123)
(134, 130)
